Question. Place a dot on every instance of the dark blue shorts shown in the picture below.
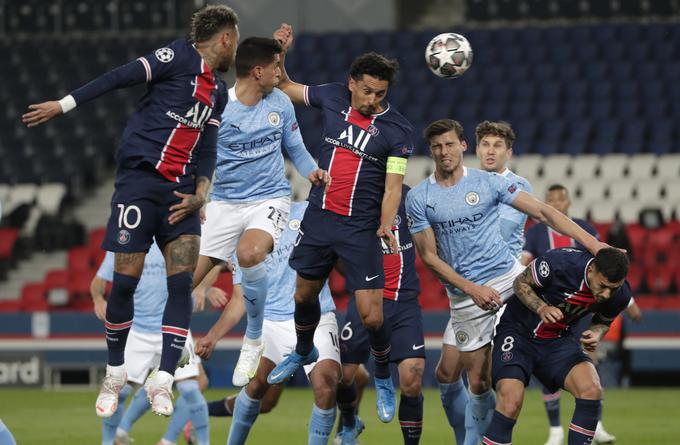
(518, 357)
(140, 208)
(407, 338)
(325, 236)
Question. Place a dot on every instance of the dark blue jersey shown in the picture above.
(561, 275)
(401, 279)
(540, 238)
(354, 151)
(175, 125)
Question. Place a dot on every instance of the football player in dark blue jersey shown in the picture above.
(535, 336)
(365, 148)
(165, 164)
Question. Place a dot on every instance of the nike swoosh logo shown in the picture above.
(177, 340)
(415, 348)
(275, 376)
(372, 278)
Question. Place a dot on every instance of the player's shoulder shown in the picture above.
(278, 97)
(420, 189)
(521, 180)
(176, 50)
(332, 90)
(393, 116)
(569, 258)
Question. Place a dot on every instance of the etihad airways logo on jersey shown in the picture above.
(256, 143)
(459, 224)
(354, 141)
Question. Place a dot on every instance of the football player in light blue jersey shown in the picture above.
(279, 335)
(142, 354)
(455, 221)
(250, 200)
(494, 150)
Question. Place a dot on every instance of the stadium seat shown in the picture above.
(57, 284)
(556, 167)
(668, 167)
(584, 167)
(33, 298)
(620, 190)
(648, 189)
(603, 211)
(613, 166)
(592, 190)
(80, 259)
(629, 210)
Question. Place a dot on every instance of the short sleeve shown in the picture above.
(315, 96)
(105, 271)
(543, 269)
(416, 215)
(159, 64)
(291, 130)
(506, 190)
(237, 275)
(402, 144)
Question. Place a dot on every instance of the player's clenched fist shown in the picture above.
(284, 35)
(205, 346)
(589, 340)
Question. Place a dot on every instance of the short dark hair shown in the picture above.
(612, 263)
(442, 126)
(374, 65)
(558, 187)
(501, 129)
(210, 20)
(255, 51)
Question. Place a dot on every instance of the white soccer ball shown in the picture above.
(448, 55)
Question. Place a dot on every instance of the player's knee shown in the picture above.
(372, 320)
(590, 391)
(411, 388)
(268, 405)
(445, 374)
(509, 405)
(250, 256)
(257, 388)
(478, 383)
(348, 373)
(325, 388)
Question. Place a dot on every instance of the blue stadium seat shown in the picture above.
(627, 109)
(544, 72)
(626, 90)
(549, 91)
(596, 71)
(600, 109)
(517, 73)
(607, 129)
(657, 109)
(493, 111)
(562, 54)
(648, 73)
(555, 35)
(629, 33)
(547, 109)
(663, 52)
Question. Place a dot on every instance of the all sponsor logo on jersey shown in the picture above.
(294, 224)
(543, 269)
(472, 198)
(123, 236)
(361, 139)
(165, 55)
(274, 119)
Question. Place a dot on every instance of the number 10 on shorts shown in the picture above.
(129, 217)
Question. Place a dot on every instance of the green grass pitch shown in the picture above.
(635, 416)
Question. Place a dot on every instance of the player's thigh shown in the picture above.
(313, 255)
(370, 307)
(188, 227)
(354, 344)
(131, 226)
(141, 351)
(192, 369)
(264, 223)
(558, 358)
(584, 382)
(450, 367)
(362, 254)
(407, 338)
(513, 356)
(181, 254)
(221, 230)
(327, 341)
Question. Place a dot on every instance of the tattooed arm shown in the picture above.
(525, 289)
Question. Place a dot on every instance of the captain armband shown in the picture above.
(396, 165)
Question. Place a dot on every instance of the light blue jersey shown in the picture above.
(466, 222)
(280, 304)
(249, 160)
(512, 220)
(151, 293)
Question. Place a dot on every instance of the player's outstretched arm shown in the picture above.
(294, 90)
(485, 297)
(230, 317)
(525, 289)
(129, 74)
(556, 220)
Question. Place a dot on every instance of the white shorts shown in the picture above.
(143, 353)
(225, 222)
(471, 327)
(280, 339)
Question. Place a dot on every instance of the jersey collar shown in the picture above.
(585, 272)
(433, 180)
(505, 172)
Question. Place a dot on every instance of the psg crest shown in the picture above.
(123, 237)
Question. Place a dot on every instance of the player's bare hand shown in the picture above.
(599, 245)
(385, 232)
(189, 204)
(41, 113)
(100, 308)
(486, 297)
(284, 35)
(205, 346)
(202, 215)
(550, 314)
(320, 177)
(217, 297)
(589, 340)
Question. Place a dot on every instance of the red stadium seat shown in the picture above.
(602, 229)
(57, 285)
(96, 238)
(79, 287)
(33, 298)
(80, 258)
(8, 237)
(13, 305)
(637, 236)
(635, 277)
(646, 301)
(669, 302)
(659, 279)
